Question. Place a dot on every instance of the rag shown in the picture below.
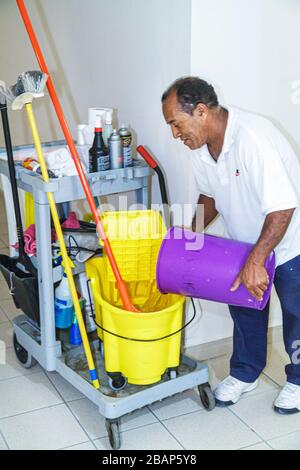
(71, 221)
(30, 240)
(60, 162)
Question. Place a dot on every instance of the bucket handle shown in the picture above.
(136, 339)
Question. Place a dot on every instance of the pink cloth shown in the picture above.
(30, 240)
(71, 221)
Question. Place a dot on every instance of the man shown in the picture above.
(247, 172)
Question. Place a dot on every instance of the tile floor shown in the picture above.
(40, 410)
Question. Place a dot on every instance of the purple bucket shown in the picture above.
(204, 266)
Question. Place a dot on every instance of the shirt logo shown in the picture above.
(237, 172)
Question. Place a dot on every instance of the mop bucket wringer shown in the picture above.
(141, 346)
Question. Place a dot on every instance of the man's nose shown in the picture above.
(175, 132)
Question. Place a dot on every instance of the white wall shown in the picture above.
(249, 50)
(118, 53)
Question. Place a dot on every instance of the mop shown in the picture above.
(30, 85)
(119, 280)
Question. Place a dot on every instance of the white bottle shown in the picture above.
(64, 308)
(108, 129)
(82, 147)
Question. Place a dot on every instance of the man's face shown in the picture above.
(191, 129)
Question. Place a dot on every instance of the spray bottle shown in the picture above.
(64, 308)
(108, 129)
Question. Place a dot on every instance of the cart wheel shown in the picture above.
(117, 382)
(207, 397)
(112, 428)
(23, 356)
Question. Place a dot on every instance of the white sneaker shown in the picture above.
(288, 400)
(230, 390)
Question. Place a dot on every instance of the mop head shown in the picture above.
(29, 85)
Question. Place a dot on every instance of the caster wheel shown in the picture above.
(112, 428)
(23, 356)
(207, 397)
(117, 382)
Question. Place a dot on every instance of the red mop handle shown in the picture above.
(146, 156)
(120, 283)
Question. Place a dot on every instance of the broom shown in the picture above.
(31, 85)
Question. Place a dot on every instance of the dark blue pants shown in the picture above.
(251, 326)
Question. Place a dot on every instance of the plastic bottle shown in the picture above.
(108, 129)
(33, 165)
(82, 147)
(75, 336)
(64, 308)
(126, 138)
(98, 153)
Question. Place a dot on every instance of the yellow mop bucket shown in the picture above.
(141, 346)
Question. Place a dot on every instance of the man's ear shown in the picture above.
(201, 110)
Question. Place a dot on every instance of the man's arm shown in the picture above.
(210, 213)
(254, 275)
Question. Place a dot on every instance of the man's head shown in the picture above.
(187, 107)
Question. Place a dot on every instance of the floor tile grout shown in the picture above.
(80, 443)
(261, 439)
(4, 439)
(22, 375)
(161, 422)
(253, 445)
(69, 408)
(272, 380)
(30, 411)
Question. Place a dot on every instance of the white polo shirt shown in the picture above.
(257, 173)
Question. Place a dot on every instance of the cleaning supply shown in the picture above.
(126, 139)
(85, 185)
(33, 165)
(115, 151)
(64, 308)
(30, 85)
(108, 129)
(82, 146)
(99, 158)
(206, 268)
(75, 336)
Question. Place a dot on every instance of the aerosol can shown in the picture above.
(126, 138)
(115, 151)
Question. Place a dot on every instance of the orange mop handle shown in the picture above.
(120, 283)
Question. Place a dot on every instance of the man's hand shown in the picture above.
(254, 277)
